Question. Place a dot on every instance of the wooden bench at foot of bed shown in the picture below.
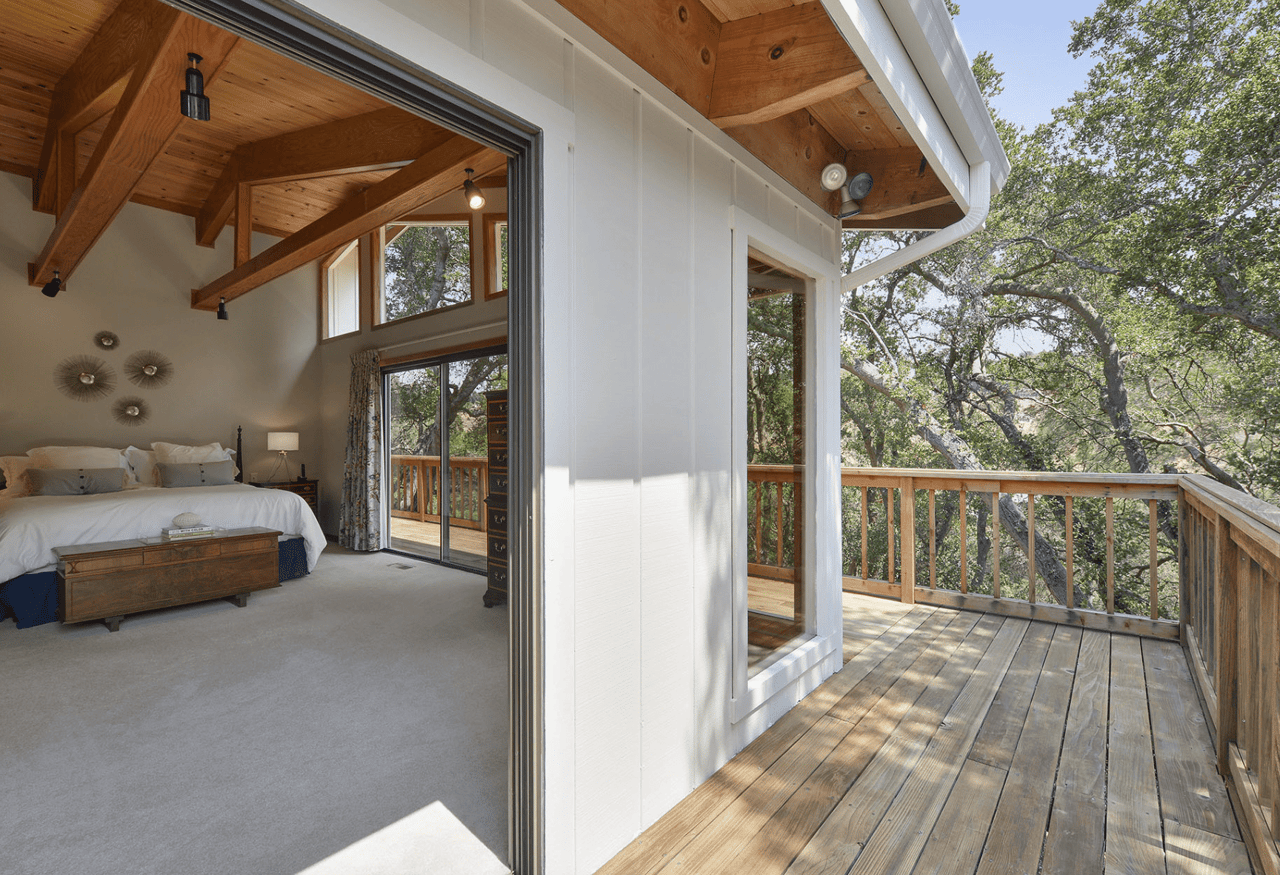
(108, 580)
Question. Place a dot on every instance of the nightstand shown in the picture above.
(308, 489)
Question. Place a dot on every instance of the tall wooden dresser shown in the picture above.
(496, 503)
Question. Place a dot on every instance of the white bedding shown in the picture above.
(31, 527)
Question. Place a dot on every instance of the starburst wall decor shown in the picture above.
(84, 378)
(148, 369)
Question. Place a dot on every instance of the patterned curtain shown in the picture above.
(360, 523)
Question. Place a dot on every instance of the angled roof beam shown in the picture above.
(380, 140)
(140, 128)
(773, 64)
(434, 174)
(93, 85)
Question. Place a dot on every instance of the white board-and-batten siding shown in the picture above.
(639, 374)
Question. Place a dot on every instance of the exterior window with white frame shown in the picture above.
(341, 291)
(776, 414)
(426, 266)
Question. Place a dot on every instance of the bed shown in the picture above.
(31, 525)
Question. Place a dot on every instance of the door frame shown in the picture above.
(298, 33)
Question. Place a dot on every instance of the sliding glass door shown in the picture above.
(437, 456)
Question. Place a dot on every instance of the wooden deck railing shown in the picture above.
(1230, 561)
(771, 533)
(415, 489)
(1170, 556)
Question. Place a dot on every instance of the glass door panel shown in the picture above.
(413, 461)
(468, 456)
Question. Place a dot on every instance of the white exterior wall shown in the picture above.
(641, 201)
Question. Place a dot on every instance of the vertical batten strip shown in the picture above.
(1155, 596)
(995, 544)
(1071, 557)
(1031, 548)
(863, 508)
(933, 544)
(1111, 555)
(964, 539)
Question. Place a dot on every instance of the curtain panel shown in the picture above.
(360, 522)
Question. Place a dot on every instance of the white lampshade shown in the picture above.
(282, 440)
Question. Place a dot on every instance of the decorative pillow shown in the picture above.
(182, 453)
(77, 457)
(75, 481)
(180, 474)
(14, 467)
(142, 466)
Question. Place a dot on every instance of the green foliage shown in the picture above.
(426, 267)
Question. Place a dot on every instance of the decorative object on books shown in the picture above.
(186, 520)
(106, 340)
(130, 411)
(148, 369)
(84, 378)
(282, 442)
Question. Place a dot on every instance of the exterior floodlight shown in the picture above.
(852, 193)
(833, 176)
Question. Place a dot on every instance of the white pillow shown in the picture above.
(181, 453)
(77, 457)
(142, 466)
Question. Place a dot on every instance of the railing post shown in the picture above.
(1225, 567)
(1184, 574)
(907, 524)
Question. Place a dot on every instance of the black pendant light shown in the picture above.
(52, 287)
(194, 104)
(222, 309)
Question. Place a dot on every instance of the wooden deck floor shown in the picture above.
(957, 743)
(467, 546)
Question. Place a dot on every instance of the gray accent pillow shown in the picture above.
(177, 474)
(75, 481)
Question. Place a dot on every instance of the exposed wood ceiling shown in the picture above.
(779, 78)
(89, 111)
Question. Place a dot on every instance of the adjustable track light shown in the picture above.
(222, 309)
(52, 287)
(475, 197)
(194, 104)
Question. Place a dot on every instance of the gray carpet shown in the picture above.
(256, 740)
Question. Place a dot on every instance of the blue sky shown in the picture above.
(1028, 40)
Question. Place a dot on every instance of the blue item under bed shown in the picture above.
(32, 599)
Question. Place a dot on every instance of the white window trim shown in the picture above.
(823, 644)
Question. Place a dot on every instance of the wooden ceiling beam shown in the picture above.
(384, 139)
(773, 64)
(91, 87)
(676, 41)
(140, 129)
(903, 182)
(434, 174)
(796, 147)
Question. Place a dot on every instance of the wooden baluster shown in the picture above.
(1111, 556)
(778, 515)
(888, 527)
(1155, 598)
(759, 514)
(1071, 558)
(1031, 548)
(964, 539)
(933, 545)
(907, 525)
(995, 545)
(1226, 611)
(863, 507)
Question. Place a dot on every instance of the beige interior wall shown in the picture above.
(259, 369)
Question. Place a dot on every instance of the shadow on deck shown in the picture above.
(956, 742)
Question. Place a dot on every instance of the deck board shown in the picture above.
(959, 743)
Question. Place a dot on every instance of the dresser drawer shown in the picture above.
(497, 432)
(495, 519)
(497, 483)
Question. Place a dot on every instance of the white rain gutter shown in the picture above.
(980, 206)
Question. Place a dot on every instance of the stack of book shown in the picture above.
(179, 533)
